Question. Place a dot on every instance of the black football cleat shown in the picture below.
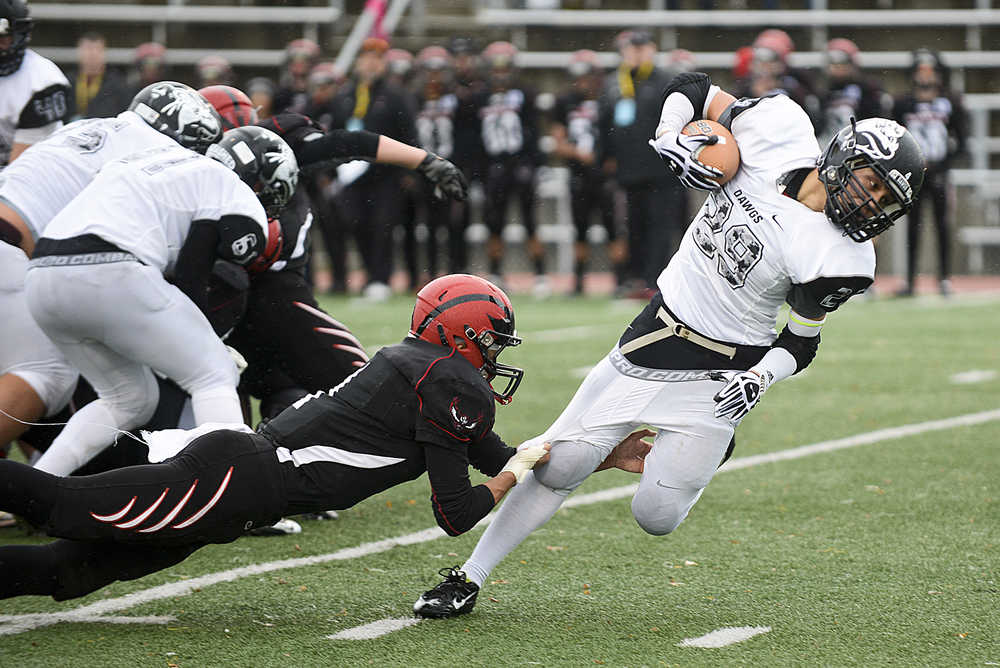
(455, 596)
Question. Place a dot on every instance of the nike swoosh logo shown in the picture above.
(775, 219)
(459, 603)
(666, 486)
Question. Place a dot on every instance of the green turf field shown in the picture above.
(880, 554)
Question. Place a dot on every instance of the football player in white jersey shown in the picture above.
(34, 93)
(794, 225)
(96, 281)
(35, 379)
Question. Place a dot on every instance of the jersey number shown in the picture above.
(736, 249)
(502, 132)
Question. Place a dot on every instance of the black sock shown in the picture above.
(27, 492)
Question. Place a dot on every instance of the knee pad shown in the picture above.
(135, 406)
(660, 511)
(570, 462)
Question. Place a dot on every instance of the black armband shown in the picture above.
(802, 348)
(338, 145)
(692, 85)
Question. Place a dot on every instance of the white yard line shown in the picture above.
(972, 376)
(375, 629)
(729, 635)
(100, 610)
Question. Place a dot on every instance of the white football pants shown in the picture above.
(687, 450)
(117, 323)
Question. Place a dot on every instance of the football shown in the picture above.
(724, 155)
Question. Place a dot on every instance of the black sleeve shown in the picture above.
(46, 106)
(490, 454)
(338, 144)
(457, 504)
(802, 348)
(227, 296)
(692, 85)
(825, 294)
(959, 123)
(193, 270)
(240, 239)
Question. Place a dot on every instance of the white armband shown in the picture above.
(677, 112)
(777, 363)
(799, 325)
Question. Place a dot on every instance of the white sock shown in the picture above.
(216, 404)
(90, 430)
(528, 506)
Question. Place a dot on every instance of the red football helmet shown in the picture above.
(272, 251)
(232, 104)
(476, 318)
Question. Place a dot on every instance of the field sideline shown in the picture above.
(883, 555)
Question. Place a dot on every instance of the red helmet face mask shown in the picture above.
(232, 104)
(474, 317)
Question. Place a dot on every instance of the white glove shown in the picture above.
(525, 459)
(680, 153)
(740, 394)
(238, 359)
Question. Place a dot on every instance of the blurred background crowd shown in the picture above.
(384, 230)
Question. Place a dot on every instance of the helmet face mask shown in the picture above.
(476, 319)
(178, 111)
(894, 158)
(16, 24)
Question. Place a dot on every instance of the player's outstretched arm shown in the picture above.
(442, 173)
(630, 454)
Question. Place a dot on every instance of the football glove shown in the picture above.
(525, 459)
(740, 394)
(678, 152)
(445, 175)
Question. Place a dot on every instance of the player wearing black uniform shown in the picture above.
(936, 118)
(425, 404)
(292, 346)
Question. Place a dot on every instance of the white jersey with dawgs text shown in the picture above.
(55, 170)
(145, 204)
(750, 248)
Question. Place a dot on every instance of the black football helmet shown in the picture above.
(263, 161)
(891, 151)
(178, 111)
(16, 24)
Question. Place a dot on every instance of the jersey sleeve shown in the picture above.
(241, 238)
(825, 294)
(453, 412)
(457, 504)
(773, 133)
(490, 454)
(49, 105)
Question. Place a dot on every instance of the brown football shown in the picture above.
(724, 156)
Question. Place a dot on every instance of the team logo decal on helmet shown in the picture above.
(474, 317)
(263, 161)
(891, 152)
(178, 111)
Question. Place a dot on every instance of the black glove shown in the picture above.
(445, 175)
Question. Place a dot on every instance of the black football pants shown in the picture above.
(129, 522)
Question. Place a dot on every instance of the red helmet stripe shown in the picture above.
(438, 310)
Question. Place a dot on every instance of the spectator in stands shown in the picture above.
(399, 68)
(508, 129)
(468, 154)
(323, 82)
(293, 95)
(370, 202)
(99, 91)
(262, 91)
(771, 72)
(150, 60)
(936, 118)
(214, 70)
(437, 105)
(576, 129)
(630, 111)
(849, 93)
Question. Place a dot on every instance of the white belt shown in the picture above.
(674, 328)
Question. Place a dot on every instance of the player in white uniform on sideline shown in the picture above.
(96, 281)
(35, 378)
(794, 225)
(34, 93)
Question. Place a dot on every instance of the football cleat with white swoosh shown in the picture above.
(455, 596)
